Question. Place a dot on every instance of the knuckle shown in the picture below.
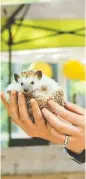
(50, 129)
(38, 116)
(81, 133)
(12, 110)
(19, 102)
(60, 128)
(83, 123)
(20, 106)
(35, 109)
(23, 120)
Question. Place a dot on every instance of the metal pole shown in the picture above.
(9, 80)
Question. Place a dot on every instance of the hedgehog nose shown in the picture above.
(25, 90)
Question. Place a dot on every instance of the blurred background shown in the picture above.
(50, 35)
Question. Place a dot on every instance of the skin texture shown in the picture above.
(69, 120)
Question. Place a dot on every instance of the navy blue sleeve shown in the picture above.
(79, 158)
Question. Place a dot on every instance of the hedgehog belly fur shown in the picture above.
(58, 97)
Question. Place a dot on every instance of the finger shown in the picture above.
(36, 112)
(69, 116)
(59, 125)
(56, 137)
(14, 106)
(73, 145)
(14, 109)
(6, 104)
(24, 116)
(12, 103)
(39, 120)
(74, 108)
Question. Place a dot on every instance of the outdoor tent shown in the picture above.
(42, 25)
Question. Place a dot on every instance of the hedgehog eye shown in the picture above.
(32, 82)
(21, 84)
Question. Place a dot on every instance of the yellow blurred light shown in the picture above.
(74, 70)
(45, 67)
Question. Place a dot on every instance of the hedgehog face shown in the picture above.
(29, 82)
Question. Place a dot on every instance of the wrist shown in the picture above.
(77, 157)
(77, 151)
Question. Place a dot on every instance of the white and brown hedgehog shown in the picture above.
(34, 84)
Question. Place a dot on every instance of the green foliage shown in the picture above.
(76, 88)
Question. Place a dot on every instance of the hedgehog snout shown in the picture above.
(25, 89)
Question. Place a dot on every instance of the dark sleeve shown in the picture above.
(79, 158)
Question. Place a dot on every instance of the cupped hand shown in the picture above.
(65, 121)
(68, 121)
(19, 115)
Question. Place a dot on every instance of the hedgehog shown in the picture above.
(34, 84)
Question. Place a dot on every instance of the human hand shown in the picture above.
(68, 121)
(19, 115)
(58, 127)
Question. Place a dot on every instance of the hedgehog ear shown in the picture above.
(38, 74)
(16, 76)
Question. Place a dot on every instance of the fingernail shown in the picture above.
(49, 102)
(13, 92)
(65, 103)
(20, 94)
(44, 110)
(32, 100)
(19, 97)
